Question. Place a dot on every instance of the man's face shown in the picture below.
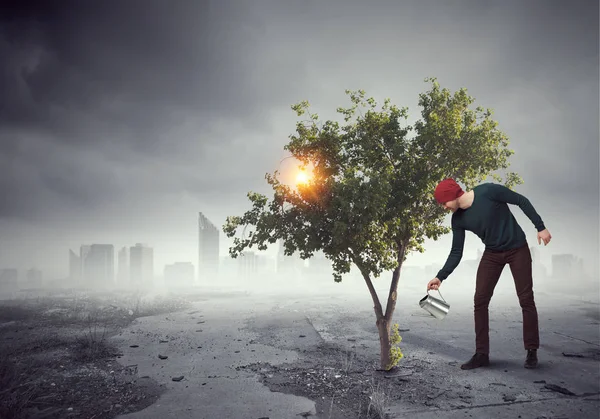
(451, 205)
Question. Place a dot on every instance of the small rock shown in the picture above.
(163, 341)
(70, 409)
(559, 389)
(498, 384)
(237, 352)
(540, 382)
(134, 346)
(509, 398)
(302, 336)
(177, 378)
(162, 356)
(571, 355)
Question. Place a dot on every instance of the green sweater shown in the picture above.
(491, 220)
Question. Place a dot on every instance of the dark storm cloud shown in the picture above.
(132, 100)
(108, 80)
(151, 57)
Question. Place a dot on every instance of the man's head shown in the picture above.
(447, 193)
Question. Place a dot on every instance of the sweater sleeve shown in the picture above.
(456, 252)
(501, 193)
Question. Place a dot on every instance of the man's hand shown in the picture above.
(544, 236)
(434, 284)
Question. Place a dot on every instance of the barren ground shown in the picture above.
(56, 361)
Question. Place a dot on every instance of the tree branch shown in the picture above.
(377, 305)
(392, 296)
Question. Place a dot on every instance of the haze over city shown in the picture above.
(120, 122)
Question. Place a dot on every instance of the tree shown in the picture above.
(369, 200)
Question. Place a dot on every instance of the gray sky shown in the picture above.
(120, 120)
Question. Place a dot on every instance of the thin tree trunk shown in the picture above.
(383, 322)
(384, 326)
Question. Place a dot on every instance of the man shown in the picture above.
(484, 211)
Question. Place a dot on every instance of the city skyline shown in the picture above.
(560, 264)
(115, 130)
(93, 265)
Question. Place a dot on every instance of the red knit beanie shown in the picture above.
(447, 190)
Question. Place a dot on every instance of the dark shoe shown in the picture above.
(531, 361)
(476, 361)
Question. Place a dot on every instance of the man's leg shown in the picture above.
(489, 271)
(520, 265)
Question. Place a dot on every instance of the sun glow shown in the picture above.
(302, 177)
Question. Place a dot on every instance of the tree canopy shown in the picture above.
(369, 200)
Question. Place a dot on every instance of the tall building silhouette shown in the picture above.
(208, 249)
(98, 262)
(123, 266)
(84, 251)
(141, 265)
(247, 264)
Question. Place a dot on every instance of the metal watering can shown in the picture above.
(434, 306)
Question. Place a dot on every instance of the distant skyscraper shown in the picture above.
(248, 264)
(84, 252)
(141, 265)
(208, 248)
(74, 268)
(99, 265)
(123, 266)
(179, 274)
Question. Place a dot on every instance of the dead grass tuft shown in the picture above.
(378, 402)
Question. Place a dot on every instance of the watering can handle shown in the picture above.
(440, 295)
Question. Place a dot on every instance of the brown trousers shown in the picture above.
(490, 267)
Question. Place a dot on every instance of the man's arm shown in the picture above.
(458, 243)
(501, 193)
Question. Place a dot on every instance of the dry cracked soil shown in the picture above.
(57, 362)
